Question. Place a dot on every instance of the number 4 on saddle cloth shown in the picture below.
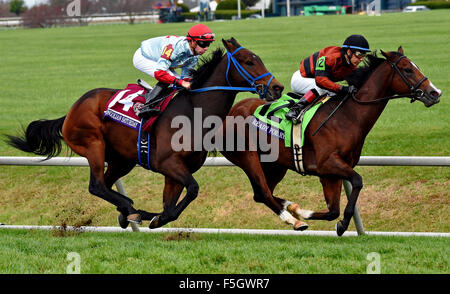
(124, 108)
(271, 118)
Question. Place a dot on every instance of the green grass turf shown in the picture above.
(44, 252)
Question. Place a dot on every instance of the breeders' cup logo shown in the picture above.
(137, 107)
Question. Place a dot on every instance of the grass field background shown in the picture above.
(44, 71)
(46, 252)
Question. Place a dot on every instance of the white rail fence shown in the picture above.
(96, 18)
(221, 161)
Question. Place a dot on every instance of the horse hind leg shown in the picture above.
(273, 175)
(263, 183)
(116, 169)
(92, 146)
(332, 192)
(98, 188)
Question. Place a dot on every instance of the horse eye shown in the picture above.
(249, 63)
(408, 71)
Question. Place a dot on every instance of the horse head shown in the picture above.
(407, 79)
(249, 69)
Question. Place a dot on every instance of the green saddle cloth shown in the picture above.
(271, 117)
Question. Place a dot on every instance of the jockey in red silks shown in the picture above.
(160, 56)
(319, 72)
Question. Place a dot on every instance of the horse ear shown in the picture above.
(400, 50)
(235, 42)
(226, 44)
(230, 44)
(384, 53)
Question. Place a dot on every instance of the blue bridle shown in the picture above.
(251, 80)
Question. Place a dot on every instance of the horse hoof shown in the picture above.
(154, 223)
(123, 222)
(134, 218)
(340, 228)
(300, 226)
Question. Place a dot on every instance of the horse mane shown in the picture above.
(359, 76)
(206, 68)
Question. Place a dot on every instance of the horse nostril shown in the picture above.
(435, 94)
(278, 88)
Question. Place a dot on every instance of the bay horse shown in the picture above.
(333, 152)
(100, 141)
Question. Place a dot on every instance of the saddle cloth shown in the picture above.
(125, 105)
(271, 117)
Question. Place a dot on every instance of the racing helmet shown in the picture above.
(200, 32)
(356, 42)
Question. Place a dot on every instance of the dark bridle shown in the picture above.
(415, 94)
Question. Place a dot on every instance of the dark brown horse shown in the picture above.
(334, 151)
(84, 131)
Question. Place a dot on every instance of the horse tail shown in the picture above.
(41, 137)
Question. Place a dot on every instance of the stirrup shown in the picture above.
(147, 112)
(144, 84)
(294, 114)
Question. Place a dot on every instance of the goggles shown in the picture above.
(359, 54)
(203, 44)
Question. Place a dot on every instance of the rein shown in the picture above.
(251, 80)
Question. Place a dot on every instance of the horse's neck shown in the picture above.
(374, 88)
(216, 102)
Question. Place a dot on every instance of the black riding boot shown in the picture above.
(295, 110)
(148, 109)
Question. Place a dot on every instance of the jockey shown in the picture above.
(319, 72)
(158, 57)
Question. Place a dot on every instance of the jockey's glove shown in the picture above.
(345, 90)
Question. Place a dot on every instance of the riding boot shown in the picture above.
(148, 109)
(295, 110)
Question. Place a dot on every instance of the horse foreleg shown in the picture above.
(173, 187)
(356, 181)
(338, 168)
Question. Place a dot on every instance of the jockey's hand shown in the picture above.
(348, 90)
(186, 85)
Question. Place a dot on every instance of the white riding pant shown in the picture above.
(148, 66)
(302, 85)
